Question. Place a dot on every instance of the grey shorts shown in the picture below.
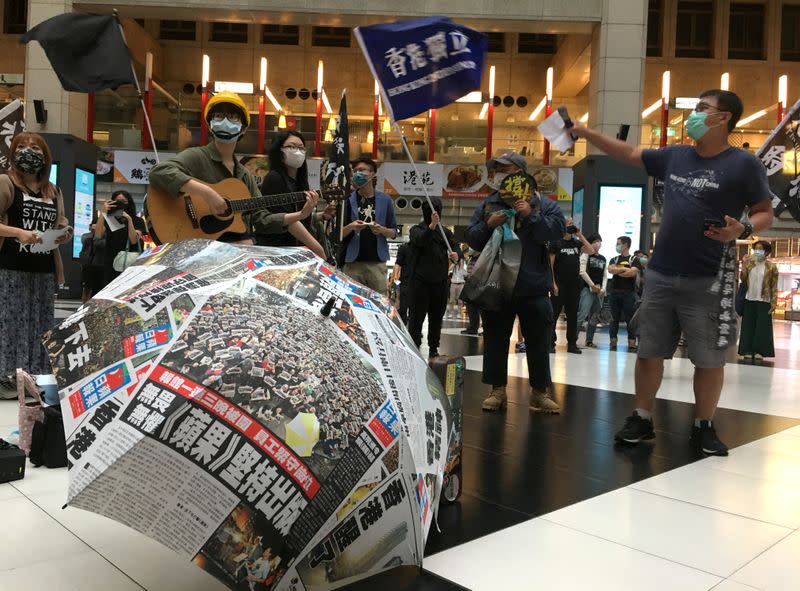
(675, 305)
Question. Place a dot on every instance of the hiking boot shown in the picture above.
(632, 346)
(590, 345)
(541, 402)
(574, 349)
(635, 430)
(497, 400)
(704, 438)
(613, 345)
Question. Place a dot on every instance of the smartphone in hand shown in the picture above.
(709, 223)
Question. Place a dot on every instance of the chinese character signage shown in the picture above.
(400, 178)
(134, 167)
(12, 122)
(423, 64)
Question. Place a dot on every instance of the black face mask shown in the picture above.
(28, 160)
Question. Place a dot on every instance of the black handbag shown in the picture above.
(741, 294)
(48, 442)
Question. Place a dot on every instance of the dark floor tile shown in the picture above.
(405, 578)
(467, 519)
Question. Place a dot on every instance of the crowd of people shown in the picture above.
(676, 295)
(271, 358)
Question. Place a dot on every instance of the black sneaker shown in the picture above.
(433, 354)
(704, 438)
(574, 349)
(635, 430)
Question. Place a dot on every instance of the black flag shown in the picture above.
(87, 52)
(12, 122)
(336, 173)
(779, 154)
(336, 170)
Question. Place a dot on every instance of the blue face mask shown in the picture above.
(696, 125)
(360, 178)
(225, 130)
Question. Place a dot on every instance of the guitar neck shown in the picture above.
(267, 201)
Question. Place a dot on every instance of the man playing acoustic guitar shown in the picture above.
(228, 118)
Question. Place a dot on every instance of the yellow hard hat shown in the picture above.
(227, 97)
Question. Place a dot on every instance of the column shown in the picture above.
(66, 111)
(616, 80)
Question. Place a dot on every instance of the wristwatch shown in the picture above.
(748, 231)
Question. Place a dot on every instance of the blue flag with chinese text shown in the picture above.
(423, 64)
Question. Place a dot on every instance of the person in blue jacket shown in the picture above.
(371, 222)
(536, 222)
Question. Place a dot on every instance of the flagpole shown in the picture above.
(138, 87)
(424, 188)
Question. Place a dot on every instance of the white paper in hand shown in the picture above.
(49, 238)
(114, 223)
(555, 130)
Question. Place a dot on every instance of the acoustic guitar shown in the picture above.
(188, 216)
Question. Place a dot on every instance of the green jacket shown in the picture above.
(204, 163)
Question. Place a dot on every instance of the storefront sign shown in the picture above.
(134, 167)
(400, 178)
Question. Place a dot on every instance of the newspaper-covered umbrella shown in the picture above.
(209, 404)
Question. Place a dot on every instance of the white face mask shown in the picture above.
(497, 180)
(759, 254)
(293, 157)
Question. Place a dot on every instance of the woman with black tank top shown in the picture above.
(29, 206)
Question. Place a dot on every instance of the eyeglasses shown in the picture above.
(295, 147)
(702, 107)
(230, 116)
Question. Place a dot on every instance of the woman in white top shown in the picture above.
(760, 278)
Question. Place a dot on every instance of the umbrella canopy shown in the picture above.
(302, 433)
(254, 411)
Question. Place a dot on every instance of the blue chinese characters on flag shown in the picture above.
(423, 64)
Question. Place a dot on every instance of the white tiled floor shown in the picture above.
(728, 524)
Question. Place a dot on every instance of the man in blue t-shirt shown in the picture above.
(706, 189)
